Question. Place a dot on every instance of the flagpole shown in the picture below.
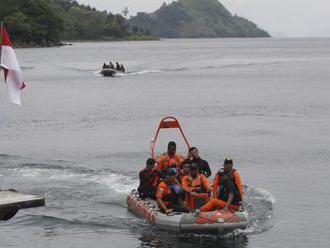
(1, 28)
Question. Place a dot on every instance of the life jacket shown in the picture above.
(190, 183)
(165, 161)
(164, 190)
(151, 177)
(235, 178)
(180, 177)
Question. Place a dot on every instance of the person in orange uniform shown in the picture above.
(183, 172)
(170, 194)
(195, 182)
(167, 160)
(227, 189)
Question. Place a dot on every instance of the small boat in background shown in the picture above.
(110, 70)
(107, 72)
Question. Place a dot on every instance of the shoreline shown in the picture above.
(69, 42)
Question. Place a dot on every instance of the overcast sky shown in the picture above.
(293, 18)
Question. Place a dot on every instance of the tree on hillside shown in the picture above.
(125, 12)
(31, 21)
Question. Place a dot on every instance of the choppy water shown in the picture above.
(79, 139)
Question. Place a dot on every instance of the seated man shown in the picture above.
(195, 182)
(202, 165)
(148, 180)
(162, 173)
(227, 189)
(183, 172)
(170, 158)
(117, 66)
(169, 194)
(122, 68)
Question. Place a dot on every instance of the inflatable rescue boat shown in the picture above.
(108, 72)
(214, 222)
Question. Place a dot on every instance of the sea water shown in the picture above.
(79, 139)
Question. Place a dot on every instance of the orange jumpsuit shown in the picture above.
(166, 161)
(162, 191)
(189, 183)
(217, 203)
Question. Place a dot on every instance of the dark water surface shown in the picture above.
(79, 139)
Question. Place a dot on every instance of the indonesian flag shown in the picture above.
(12, 70)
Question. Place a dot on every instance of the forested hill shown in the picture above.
(46, 22)
(196, 19)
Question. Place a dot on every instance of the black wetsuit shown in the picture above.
(146, 188)
(228, 187)
(202, 165)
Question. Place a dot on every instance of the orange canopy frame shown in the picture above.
(167, 122)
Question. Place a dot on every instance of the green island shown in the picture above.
(196, 19)
(33, 23)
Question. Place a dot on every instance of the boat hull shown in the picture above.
(108, 72)
(215, 222)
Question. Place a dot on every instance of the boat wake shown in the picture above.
(114, 181)
(94, 192)
(129, 74)
(259, 203)
(95, 222)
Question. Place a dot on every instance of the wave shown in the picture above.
(259, 203)
(143, 72)
(105, 191)
(27, 67)
(52, 222)
(6, 156)
(115, 181)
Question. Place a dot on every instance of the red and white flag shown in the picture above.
(12, 70)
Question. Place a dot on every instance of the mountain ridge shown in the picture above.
(196, 19)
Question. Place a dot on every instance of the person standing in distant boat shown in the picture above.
(111, 65)
(122, 68)
(117, 66)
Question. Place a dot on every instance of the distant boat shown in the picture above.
(108, 72)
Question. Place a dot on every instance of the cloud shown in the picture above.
(293, 17)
